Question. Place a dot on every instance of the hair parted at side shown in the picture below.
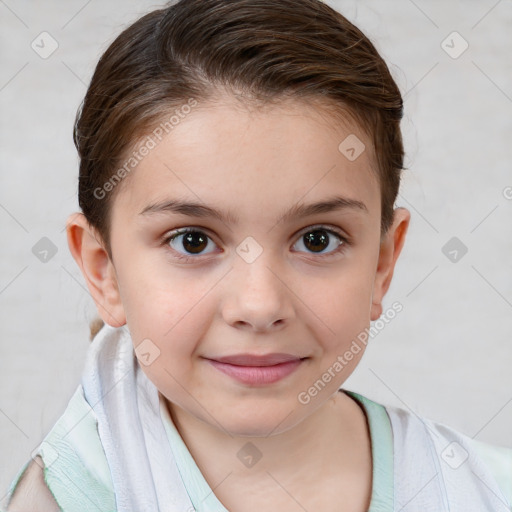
(261, 50)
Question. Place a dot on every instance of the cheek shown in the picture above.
(345, 309)
(352, 303)
(340, 301)
(159, 299)
(175, 314)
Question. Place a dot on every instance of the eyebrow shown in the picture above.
(193, 209)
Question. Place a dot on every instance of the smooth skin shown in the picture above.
(295, 297)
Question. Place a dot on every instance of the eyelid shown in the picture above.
(328, 227)
(184, 230)
(175, 233)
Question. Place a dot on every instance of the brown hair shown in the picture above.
(264, 50)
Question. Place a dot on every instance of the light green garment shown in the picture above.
(76, 469)
(79, 476)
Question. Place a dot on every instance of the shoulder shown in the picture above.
(499, 461)
(32, 493)
(71, 453)
(465, 469)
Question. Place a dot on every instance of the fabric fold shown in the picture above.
(144, 473)
(437, 468)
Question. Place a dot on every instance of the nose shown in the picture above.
(257, 298)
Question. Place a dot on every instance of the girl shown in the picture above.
(239, 164)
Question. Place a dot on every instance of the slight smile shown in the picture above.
(256, 369)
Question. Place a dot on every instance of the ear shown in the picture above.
(390, 248)
(97, 268)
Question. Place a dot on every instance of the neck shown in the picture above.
(334, 440)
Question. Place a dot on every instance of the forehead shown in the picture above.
(252, 161)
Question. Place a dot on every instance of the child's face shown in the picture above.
(297, 296)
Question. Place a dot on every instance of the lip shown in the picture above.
(256, 359)
(257, 370)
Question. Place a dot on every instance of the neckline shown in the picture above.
(381, 440)
(204, 499)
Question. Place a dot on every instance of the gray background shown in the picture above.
(446, 356)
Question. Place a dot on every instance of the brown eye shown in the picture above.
(189, 242)
(318, 240)
(194, 242)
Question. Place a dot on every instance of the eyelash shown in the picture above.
(345, 241)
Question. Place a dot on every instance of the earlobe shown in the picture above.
(98, 270)
(390, 249)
